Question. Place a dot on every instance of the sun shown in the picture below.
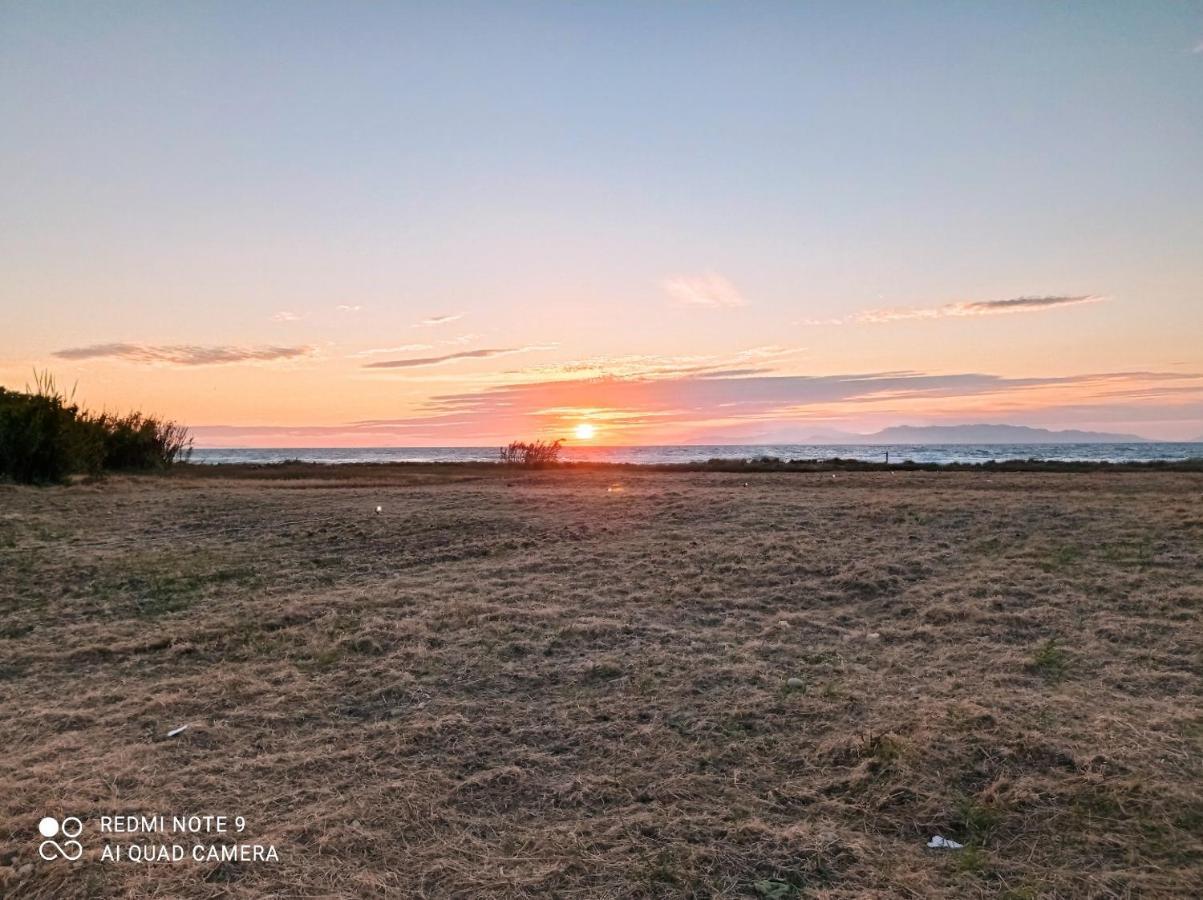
(584, 432)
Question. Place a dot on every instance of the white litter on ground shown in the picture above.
(176, 731)
(944, 843)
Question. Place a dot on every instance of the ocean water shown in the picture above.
(937, 453)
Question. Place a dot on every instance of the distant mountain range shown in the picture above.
(972, 434)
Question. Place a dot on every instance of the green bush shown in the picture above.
(36, 442)
(44, 437)
(136, 441)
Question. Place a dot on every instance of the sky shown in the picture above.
(441, 224)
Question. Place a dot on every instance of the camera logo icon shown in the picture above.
(71, 827)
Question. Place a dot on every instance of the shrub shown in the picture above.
(35, 437)
(536, 453)
(44, 437)
(135, 441)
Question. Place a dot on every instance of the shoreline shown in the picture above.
(294, 468)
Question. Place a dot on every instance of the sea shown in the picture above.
(687, 453)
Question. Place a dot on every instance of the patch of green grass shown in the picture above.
(776, 889)
(885, 748)
(1050, 660)
(325, 657)
(1020, 892)
(254, 641)
(977, 821)
(514, 650)
(14, 630)
(160, 593)
(663, 870)
(363, 644)
(1130, 554)
(1097, 802)
(989, 547)
(646, 684)
(602, 670)
(157, 585)
(972, 860)
(1059, 558)
(739, 726)
(819, 658)
(1190, 818)
(831, 690)
(157, 595)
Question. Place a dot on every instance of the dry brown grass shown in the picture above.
(525, 684)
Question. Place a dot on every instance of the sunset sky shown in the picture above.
(321, 224)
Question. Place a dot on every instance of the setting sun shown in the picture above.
(584, 431)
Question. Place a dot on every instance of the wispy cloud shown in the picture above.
(438, 320)
(346, 307)
(1198, 48)
(285, 315)
(710, 290)
(768, 351)
(401, 348)
(974, 308)
(424, 361)
(417, 347)
(655, 366)
(829, 321)
(182, 354)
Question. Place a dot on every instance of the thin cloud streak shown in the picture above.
(974, 308)
(182, 354)
(400, 348)
(487, 353)
(651, 366)
(709, 290)
(438, 320)
(416, 347)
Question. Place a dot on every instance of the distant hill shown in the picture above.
(993, 434)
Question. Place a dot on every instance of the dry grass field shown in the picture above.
(602, 683)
